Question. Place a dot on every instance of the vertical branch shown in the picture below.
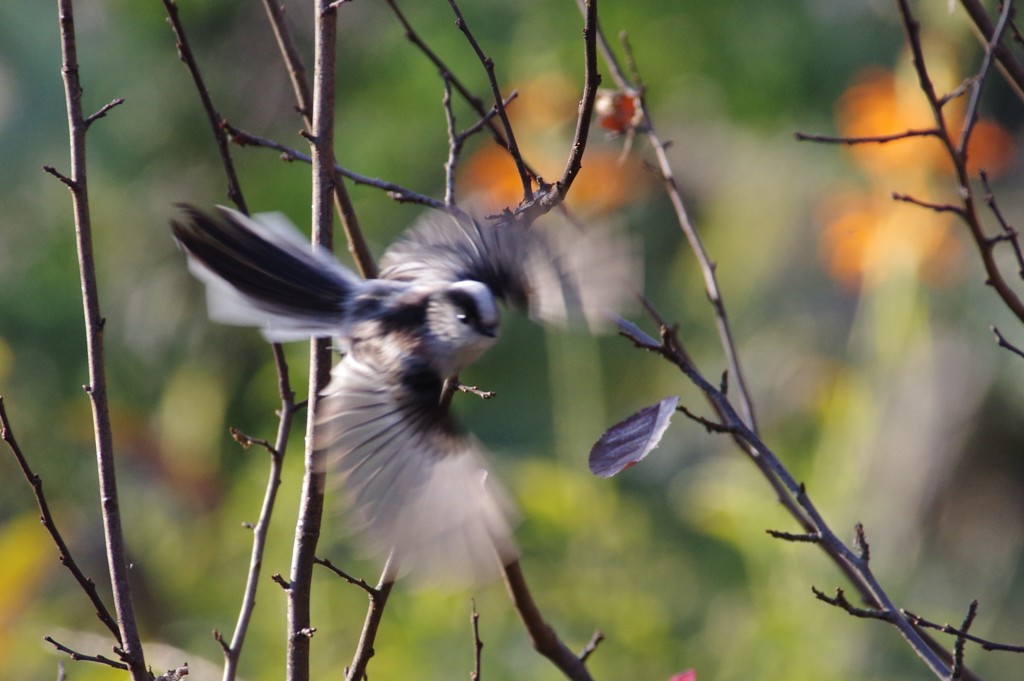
(454, 144)
(307, 530)
(591, 81)
(94, 322)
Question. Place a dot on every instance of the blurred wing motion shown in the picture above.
(412, 483)
(562, 274)
(259, 271)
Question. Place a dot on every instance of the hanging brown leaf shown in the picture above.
(629, 441)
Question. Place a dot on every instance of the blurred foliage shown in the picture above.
(863, 326)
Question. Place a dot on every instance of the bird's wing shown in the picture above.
(259, 271)
(558, 271)
(411, 483)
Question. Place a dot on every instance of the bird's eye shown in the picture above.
(464, 318)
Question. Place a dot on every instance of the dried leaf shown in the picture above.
(629, 441)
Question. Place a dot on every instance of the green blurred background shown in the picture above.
(863, 329)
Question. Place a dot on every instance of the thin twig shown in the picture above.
(961, 641)
(591, 646)
(478, 645)
(454, 145)
(554, 195)
(214, 118)
(396, 192)
(1010, 67)
(1003, 343)
(707, 267)
(233, 650)
(958, 157)
(354, 581)
(103, 110)
(840, 601)
(979, 79)
(947, 629)
(499, 101)
(1010, 234)
(474, 102)
(80, 657)
(870, 139)
(117, 561)
(808, 537)
(46, 517)
(794, 496)
(937, 207)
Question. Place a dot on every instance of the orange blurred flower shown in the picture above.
(868, 238)
(868, 235)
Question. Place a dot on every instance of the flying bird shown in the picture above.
(414, 484)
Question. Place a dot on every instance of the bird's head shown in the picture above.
(464, 320)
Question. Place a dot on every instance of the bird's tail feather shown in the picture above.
(259, 271)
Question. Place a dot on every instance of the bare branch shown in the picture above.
(374, 614)
(709, 425)
(553, 195)
(962, 633)
(488, 64)
(693, 239)
(79, 657)
(1010, 67)
(793, 496)
(478, 645)
(354, 581)
(808, 537)
(117, 561)
(233, 650)
(1010, 234)
(958, 157)
(978, 81)
(307, 530)
(102, 112)
(454, 145)
(871, 139)
(937, 207)
(394, 191)
(474, 102)
(213, 117)
(591, 646)
(1003, 343)
(840, 601)
(544, 639)
(961, 640)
